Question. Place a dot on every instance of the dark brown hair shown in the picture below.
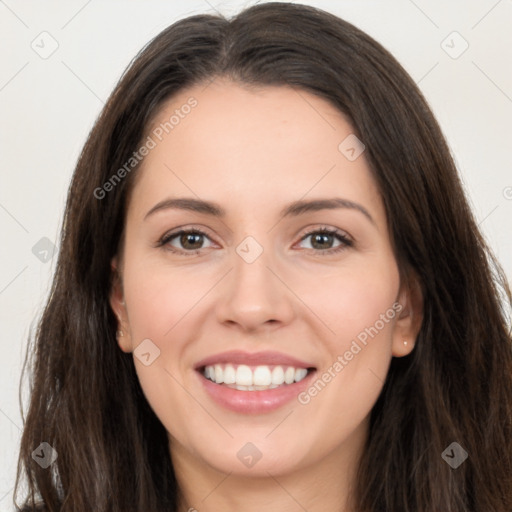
(456, 385)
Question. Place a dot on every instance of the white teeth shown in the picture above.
(289, 375)
(242, 377)
(251, 388)
(262, 376)
(300, 373)
(229, 375)
(219, 377)
(278, 375)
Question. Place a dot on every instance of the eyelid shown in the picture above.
(329, 229)
(346, 240)
(167, 236)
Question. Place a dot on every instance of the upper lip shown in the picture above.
(253, 359)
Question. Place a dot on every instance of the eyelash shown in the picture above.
(345, 241)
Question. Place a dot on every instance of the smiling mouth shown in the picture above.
(254, 378)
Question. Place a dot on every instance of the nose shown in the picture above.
(255, 295)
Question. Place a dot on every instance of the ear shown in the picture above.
(117, 303)
(410, 316)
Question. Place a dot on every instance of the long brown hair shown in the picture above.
(456, 385)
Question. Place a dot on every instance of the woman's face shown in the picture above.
(263, 289)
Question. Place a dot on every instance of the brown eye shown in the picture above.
(322, 240)
(191, 240)
(188, 241)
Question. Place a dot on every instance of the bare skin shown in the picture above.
(253, 153)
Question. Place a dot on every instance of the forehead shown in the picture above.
(274, 144)
(266, 121)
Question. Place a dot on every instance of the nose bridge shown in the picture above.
(255, 295)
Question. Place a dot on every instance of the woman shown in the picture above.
(271, 292)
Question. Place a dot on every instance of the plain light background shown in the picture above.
(48, 104)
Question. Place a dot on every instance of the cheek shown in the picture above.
(163, 304)
(357, 306)
(159, 298)
(352, 299)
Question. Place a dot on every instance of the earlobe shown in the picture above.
(410, 317)
(122, 341)
(404, 349)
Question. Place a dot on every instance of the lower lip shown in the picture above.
(254, 402)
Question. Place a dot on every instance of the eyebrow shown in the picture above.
(293, 209)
